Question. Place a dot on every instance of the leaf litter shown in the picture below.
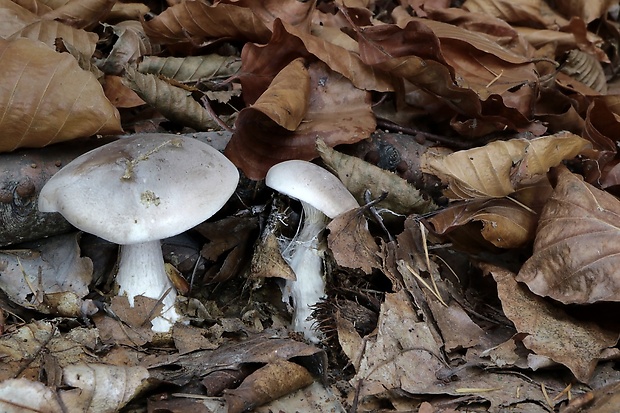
(478, 275)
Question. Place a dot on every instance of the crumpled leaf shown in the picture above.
(550, 331)
(25, 396)
(60, 350)
(358, 176)
(82, 14)
(101, 388)
(421, 61)
(38, 106)
(131, 44)
(51, 277)
(268, 383)
(351, 243)
(292, 115)
(576, 254)
(191, 68)
(173, 102)
(499, 168)
(197, 22)
(505, 223)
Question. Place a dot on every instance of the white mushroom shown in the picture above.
(323, 196)
(136, 191)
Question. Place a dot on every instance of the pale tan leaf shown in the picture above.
(505, 223)
(37, 106)
(37, 7)
(83, 14)
(576, 253)
(48, 31)
(25, 396)
(174, 103)
(101, 388)
(499, 168)
(14, 18)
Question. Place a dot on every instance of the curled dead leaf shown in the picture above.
(329, 105)
(499, 168)
(358, 176)
(101, 388)
(173, 102)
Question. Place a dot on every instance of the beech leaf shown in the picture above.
(550, 331)
(576, 252)
(499, 168)
(45, 97)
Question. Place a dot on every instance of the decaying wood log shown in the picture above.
(22, 175)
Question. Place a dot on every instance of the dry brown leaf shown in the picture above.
(266, 384)
(48, 31)
(588, 10)
(31, 339)
(535, 13)
(131, 44)
(505, 223)
(82, 14)
(101, 388)
(340, 60)
(421, 62)
(120, 95)
(358, 176)
(286, 100)
(37, 7)
(499, 168)
(336, 111)
(13, 18)
(127, 11)
(173, 102)
(297, 13)
(576, 253)
(197, 22)
(38, 106)
(191, 68)
(550, 331)
(351, 243)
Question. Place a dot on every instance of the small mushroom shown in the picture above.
(322, 197)
(136, 191)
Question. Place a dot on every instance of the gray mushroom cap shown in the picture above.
(312, 184)
(142, 188)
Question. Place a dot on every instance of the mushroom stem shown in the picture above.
(141, 271)
(305, 258)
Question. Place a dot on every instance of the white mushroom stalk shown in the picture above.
(145, 261)
(137, 191)
(323, 196)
